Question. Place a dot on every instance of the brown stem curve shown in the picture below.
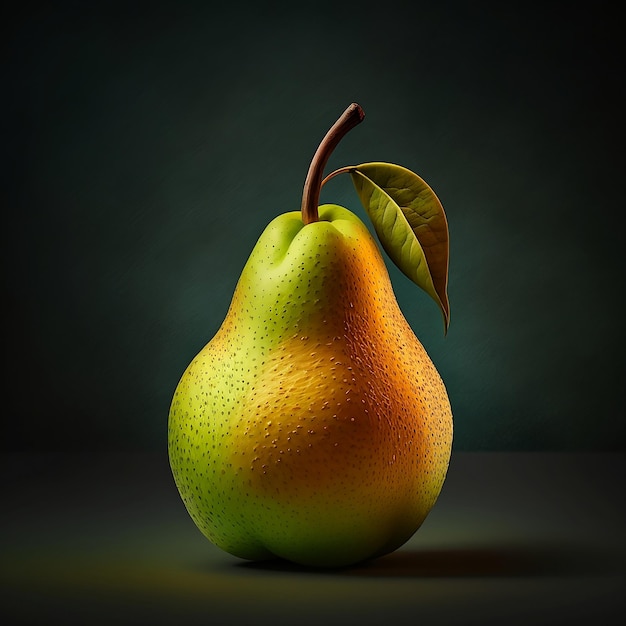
(342, 170)
(352, 116)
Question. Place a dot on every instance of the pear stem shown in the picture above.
(352, 116)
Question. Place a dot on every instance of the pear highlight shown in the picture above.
(313, 427)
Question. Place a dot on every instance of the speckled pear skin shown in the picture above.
(313, 426)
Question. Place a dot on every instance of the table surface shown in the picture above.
(515, 538)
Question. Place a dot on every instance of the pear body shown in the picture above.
(313, 427)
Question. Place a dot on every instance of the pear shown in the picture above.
(313, 427)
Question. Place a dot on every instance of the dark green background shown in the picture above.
(147, 146)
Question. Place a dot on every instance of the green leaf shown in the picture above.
(410, 223)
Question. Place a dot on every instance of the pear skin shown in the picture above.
(313, 427)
